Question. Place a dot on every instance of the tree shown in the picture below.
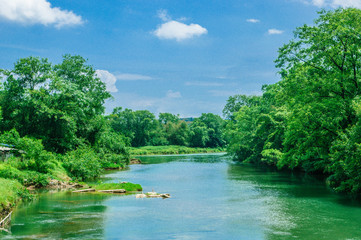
(236, 102)
(320, 78)
(59, 104)
(165, 118)
(207, 131)
(140, 126)
(198, 136)
(32, 71)
(177, 133)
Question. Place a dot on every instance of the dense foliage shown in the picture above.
(310, 120)
(171, 149)
(53, 114)
(142, 128)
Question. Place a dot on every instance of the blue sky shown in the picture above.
(184, 57)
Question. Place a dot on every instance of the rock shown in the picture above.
(31, 188)
(153, 195)
(54, 182)
(113, 191)
(84, 190)
(135, 161)
(165, 195)
(142, 195)
(77, 185)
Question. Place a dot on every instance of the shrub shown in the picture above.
(82, 164)
(113, 160)
(31, 151)
(26, 178)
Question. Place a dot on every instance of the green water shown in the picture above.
(212, 198)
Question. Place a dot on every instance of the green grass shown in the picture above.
(168, 150)
(11, 191)
(129, 187)
(25, 177)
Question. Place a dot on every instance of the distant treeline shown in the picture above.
(142, 128)
(311, 119)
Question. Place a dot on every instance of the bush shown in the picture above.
(113, 160)
(31, 152)
(82, 164)
(27, 178)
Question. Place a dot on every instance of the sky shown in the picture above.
(185, 57)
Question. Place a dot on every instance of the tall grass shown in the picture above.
(11, 191)
(172, 149)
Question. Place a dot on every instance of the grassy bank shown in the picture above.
(11, 191)
(129, 187)
(173, 149)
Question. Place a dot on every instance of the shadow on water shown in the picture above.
(60, 215)
(292, 183)
(197, 158)
(299, 205)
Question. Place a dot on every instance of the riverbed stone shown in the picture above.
(84, 190)
(141, 195)
(113, 191)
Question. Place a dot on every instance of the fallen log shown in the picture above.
(113, 191)
(84, 190)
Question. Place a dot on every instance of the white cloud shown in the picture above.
(171, 94)
(37, 12)
(318, 3)
(346, 3)
(163, 14)
(274, 31)
(108, 78)
(132, 77)
(179, 31)
(252, 20)
(204, 84)
(334, 3)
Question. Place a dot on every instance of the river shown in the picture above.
(212, 198)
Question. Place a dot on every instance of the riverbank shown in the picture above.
(170, 150)
(17, 184)
(11, 192)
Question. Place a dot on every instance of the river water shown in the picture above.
(212, 198)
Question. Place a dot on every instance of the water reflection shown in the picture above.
(297, 205)
(212, 198)
(197, 158)
(60, 215)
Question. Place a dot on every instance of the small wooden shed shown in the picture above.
(6, 152)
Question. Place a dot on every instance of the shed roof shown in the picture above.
(6, 149)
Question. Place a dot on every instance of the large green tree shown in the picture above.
(140, 127)
(310, 120)
(320, 71)
(59, 104)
